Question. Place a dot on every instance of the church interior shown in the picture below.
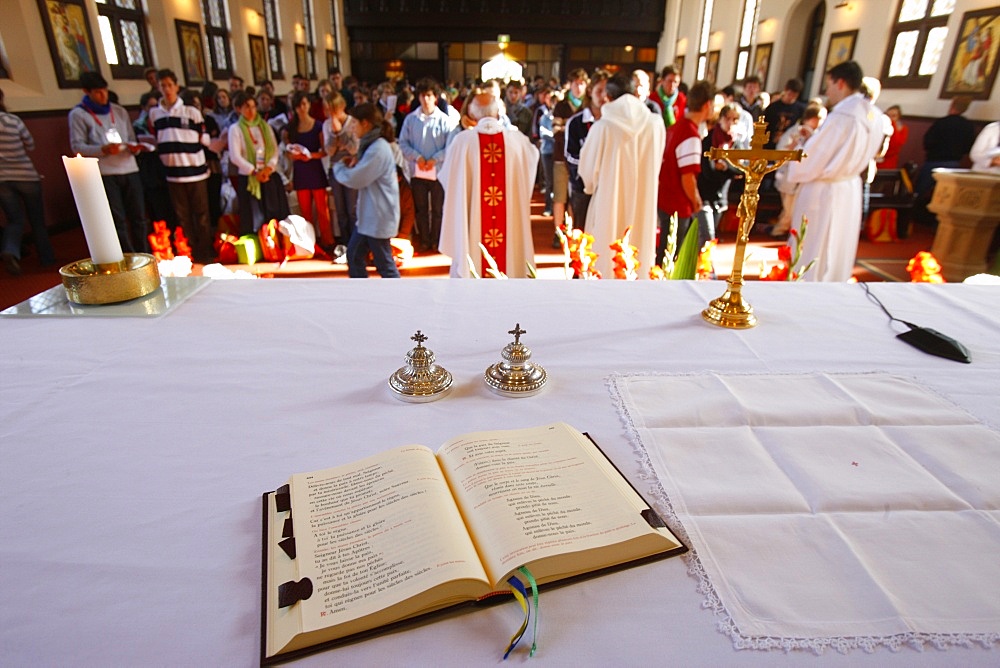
(827, 453)
(918, 49)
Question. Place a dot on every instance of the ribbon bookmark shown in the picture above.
(520, 593)
(534, 595)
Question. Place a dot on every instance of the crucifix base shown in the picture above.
(730, 310)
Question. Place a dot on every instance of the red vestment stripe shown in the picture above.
(492, 202)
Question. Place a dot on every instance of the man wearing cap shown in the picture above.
(99, 128)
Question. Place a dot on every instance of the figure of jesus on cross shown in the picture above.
(730, 310)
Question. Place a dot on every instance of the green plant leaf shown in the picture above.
(686, 267)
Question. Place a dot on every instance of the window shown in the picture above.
(706, 29)
(217, 29)
(333, 57)
(123, 31)
(273, 38)
(748, 23)
(307, 13)
(916, 43)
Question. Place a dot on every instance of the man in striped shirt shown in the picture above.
(181, 136)
(99, 128)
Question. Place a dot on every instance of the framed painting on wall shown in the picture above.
(972, 69)
(679, 64)
(841, 48)
(4, 63)
(192, 53)
(712, 66)
(301, 65)
(258, 59)
(762, 63)
(71, 43)
(331, 60)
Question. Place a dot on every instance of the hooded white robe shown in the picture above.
(461, 224)
(620, 167)
(830, 196)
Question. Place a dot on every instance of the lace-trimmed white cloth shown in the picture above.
(826, 510)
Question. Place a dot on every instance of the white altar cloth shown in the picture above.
(845, 510)
(134, 451)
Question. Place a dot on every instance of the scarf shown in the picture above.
(253, 185)
(577, 102)
(99, 109)
(668, 105)
(368, 139)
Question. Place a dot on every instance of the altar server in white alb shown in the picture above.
(830, 174)
(620, 167)
(488, 179)
(985, 152)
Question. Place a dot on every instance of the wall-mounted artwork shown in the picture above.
(301, 66)
(973, 66)
(841, 48)
(712, 66)
(4, 63)
(258, 59)
(679, 64)
(70, 41)
(192, 53)
(762, 63)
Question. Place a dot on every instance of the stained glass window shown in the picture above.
(217, 31)
(916, 43)
(122, 25)
(310, 30)
(273, 28)
(747, 27)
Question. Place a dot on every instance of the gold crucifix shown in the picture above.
(730, 310)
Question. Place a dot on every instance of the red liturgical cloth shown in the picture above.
(493, 181)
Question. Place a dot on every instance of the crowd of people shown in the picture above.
(608, 152)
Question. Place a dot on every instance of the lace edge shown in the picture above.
(725, 623)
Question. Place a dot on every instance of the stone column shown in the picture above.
(967, 205)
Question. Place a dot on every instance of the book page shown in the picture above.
(377, 532)
(532, 494)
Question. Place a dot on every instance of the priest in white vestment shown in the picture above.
(488, 179)
(620, 167)
(830, 177)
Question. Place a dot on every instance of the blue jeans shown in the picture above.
(21, 201)
(546, 160)
(128, 209)
(357, 256)
(345, 201)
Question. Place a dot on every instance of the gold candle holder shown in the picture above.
(731, 310)
(89, 283)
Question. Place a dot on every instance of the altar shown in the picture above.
(136, 450)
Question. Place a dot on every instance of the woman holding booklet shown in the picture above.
(304, 146)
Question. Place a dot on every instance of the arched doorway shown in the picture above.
(810, 52)
(800, 51)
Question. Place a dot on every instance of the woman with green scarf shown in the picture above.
(254, 152)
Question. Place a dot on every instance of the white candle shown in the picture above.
(95, 212)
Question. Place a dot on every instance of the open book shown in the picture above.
(356, 548)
